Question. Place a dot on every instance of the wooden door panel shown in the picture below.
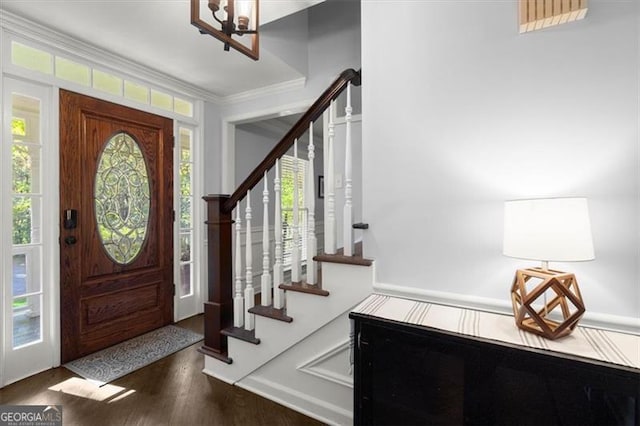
(105, 308)
(104, 301)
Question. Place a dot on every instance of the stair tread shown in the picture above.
(303, 287)
(339, 257)
(271, 312)
(241, 334)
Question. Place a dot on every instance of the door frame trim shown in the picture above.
(197, 219)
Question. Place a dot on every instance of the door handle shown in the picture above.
(70, 240)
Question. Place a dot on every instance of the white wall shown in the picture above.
(212, 149)
(287, 39)
(334, 38)
(462, 113)
(250, 150)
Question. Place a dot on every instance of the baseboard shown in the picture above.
(590, 319)
(24, 376)
(211, 372)
(306, 404)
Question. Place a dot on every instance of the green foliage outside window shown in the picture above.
(287, 184)
(21, 161)
(18, 127)
(20, 302)
(185, 208)
(185, 193)
(22, 168)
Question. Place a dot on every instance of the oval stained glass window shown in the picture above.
(121, 198)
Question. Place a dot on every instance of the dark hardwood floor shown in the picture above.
(172, 391)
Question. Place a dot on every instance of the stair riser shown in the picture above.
(349, 283)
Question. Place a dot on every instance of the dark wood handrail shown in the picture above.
(218, 310)
(301, 126)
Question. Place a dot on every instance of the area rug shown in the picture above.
(116, 361)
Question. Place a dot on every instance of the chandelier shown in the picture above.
(234, 18)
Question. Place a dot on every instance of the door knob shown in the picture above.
(70, 240)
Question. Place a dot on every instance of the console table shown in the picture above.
(418, 363)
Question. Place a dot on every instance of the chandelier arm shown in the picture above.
(217, 19)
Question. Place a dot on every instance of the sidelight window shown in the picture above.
(26, 207)
(186, 211)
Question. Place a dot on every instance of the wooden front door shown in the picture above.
(116, 227)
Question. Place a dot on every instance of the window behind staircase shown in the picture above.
(287, 184)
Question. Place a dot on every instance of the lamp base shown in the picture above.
(550, 319)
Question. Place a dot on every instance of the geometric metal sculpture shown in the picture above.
(551, 319)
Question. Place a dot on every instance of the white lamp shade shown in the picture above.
(549, 229)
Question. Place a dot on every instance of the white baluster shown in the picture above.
(329, 187)
(310, 198)
(265, 288)
(295, 249)
(238, 300)
(348, 207)
(278, 293)
(249, 295)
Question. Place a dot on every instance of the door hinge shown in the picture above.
(173, 140)
(173, 215)
(174, 289)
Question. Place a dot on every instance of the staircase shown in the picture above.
(293, 346)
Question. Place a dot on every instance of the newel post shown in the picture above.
(218, 310)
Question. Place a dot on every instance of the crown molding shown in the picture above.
(46, 36)
(271, 90)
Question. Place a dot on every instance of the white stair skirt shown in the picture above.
(347, 285)
(313, 377)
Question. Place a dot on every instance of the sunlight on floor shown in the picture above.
(87, 389)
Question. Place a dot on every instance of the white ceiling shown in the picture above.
(159, 35)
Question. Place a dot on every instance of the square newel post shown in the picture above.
(218, 310)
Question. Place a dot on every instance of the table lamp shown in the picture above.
(551, 229)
